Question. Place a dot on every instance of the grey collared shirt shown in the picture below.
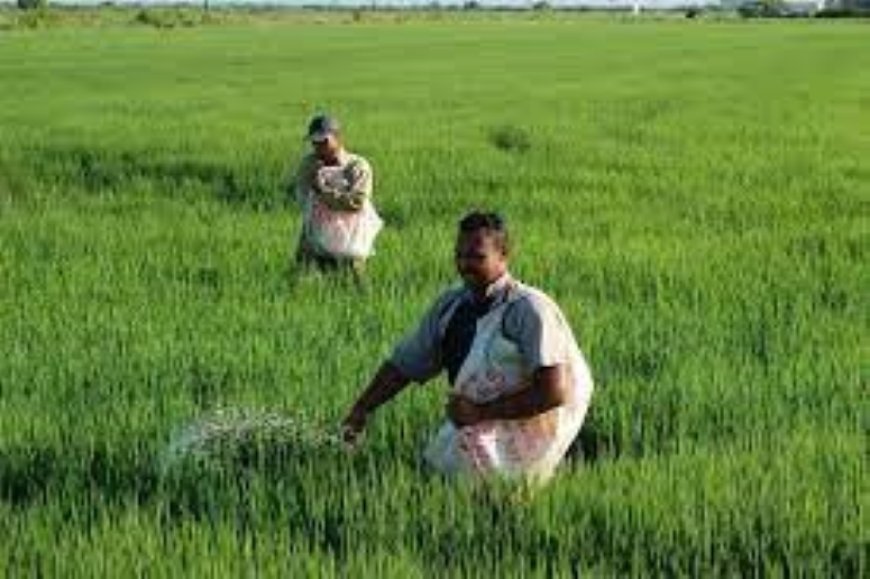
(534, 322)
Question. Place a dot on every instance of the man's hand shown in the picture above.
(549, 390)
(319, 182)
(462, 411)
(388, 382)
(356, 174)
(353, 426)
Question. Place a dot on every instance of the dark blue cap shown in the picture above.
(321, 127)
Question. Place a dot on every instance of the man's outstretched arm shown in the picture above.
(388, 382)
(417, 358)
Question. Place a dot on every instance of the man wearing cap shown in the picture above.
(520, 386)
(329, 180)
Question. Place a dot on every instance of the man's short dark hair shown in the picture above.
(492, 222)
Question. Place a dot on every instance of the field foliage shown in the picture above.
(694, 195)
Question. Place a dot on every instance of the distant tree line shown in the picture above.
(845, 9)
(32, 4)
(747, 9)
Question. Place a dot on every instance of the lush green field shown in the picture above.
(695, 195)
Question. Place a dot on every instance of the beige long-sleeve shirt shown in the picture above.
(343, 186)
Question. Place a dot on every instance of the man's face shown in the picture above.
(327, 149)
(479, 260)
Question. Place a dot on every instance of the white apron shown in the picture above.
(528, 448)
(344, 234)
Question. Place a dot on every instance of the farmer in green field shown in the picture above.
(520, 386)
(333, 188)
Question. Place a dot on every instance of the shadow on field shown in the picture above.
(510, 138)
(36, 473)
(96, 170)
(590, 446)
(124, 474)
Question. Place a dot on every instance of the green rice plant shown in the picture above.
(692, 194)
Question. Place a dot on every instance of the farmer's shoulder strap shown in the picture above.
(517, 298)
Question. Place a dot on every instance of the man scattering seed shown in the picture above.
(520, 385)
(333, 188)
